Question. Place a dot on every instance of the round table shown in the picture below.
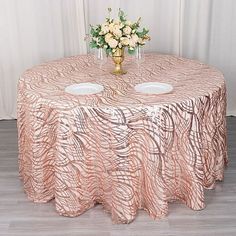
(121, 148)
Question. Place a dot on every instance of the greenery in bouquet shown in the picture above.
(118, 33)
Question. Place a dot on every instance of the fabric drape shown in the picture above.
(121, 148)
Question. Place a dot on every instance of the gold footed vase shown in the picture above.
(118, 58)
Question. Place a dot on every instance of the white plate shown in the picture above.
(153, 88)
(84, 89)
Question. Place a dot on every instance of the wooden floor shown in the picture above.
(18, 216)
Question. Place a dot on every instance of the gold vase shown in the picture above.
(118, 58)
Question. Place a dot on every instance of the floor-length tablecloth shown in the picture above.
(121, 148)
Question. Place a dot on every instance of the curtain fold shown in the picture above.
(209, 35)
(34, 31)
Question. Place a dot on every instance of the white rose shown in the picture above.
(121, 25)
(135, 38)
(113, 43)
(125, 41)
(108, 36)
(116, 28)
(132, 43)
(127, 30)
(117, 33)
(111, 26)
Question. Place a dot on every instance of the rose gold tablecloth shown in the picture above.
(122, 149)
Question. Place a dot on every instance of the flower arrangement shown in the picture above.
(118, 34)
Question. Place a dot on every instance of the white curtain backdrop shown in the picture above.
(161, 17)
(209, 35)
(33, 31)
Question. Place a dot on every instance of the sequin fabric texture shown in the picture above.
(121, 148)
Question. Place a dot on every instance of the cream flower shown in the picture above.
(116, 28)
(117, 33)
(140, 41)
(132, 43)
(121, 25)
(117, 23)
(111, 27)
(135, 38)
(125, 41)
(127, 30)
(108, 36)
(113, 43)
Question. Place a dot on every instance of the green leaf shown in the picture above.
(94, 31)
(131, 52)
(122, 15)
(93, 44)
(142, 33)
(101, 40)
(108, 51)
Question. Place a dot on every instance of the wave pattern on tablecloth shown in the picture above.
(123, 149)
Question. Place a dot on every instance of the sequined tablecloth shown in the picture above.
(120, 148)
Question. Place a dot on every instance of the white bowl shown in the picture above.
(84, 88)
(153, 88)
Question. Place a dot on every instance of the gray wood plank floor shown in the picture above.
(19, 216)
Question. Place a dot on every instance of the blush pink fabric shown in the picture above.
(120, 148)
